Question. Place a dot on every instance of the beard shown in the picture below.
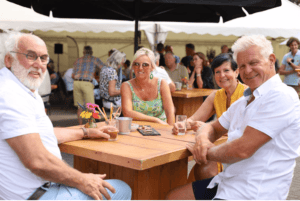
(23, 75)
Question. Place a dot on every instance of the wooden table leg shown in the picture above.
(150, 184)
(187, 106)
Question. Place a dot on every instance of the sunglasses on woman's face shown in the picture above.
(137, 65)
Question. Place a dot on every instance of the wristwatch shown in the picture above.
(289, 63)
(85, 133)
(198, 75)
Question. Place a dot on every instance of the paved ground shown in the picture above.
(63, 118)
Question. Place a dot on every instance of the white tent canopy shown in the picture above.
(296, 36)
(276, 22)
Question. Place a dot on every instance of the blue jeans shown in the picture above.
(63, 192)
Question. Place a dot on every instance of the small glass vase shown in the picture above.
(184, 86)
(91, 123)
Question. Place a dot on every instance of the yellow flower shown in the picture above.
(86, 115)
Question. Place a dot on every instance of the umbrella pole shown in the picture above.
(136, 37)
(136, 27)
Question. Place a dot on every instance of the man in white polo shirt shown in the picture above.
(160, 72)
(263, 134)
(31, 165)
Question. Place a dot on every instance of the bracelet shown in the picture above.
(198, 75)
(85, 133)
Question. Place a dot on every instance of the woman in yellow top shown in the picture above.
(225, 72)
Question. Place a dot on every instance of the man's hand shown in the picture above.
(94, 186)
(195, 125)
(289, 60)
(190, 124)
(190, 147)
(101, 132)
(201, 148)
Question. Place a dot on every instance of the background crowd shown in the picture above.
(102, 80)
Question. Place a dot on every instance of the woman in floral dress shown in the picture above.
(147, 98)
(110, 81)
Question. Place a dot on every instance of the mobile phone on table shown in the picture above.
(147, 130)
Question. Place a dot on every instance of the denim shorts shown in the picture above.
(63, 192)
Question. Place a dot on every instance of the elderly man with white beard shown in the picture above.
(31, 165)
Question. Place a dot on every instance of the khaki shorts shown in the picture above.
(83, 92)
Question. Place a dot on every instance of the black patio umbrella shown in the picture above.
(149, 10)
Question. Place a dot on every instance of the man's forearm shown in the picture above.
(225, 153)
(55, 170)
(208, 132)
(68, 134)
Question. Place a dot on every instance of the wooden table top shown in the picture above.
(192, 93)
(135, 151)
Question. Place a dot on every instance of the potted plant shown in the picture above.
(91, 114)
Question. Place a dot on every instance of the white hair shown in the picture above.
(9, 42)
(115, 59)
(12, 39)
(157, 56)
(147, 52)
(246, 42)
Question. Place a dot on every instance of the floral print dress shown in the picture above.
(152, 108)
(107, 74)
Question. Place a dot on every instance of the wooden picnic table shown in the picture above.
(150, 165)
(187, 101)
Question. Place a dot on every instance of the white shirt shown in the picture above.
(161, 73)
(45, 88)
(268, 173)
(68, 79)
(22, 112)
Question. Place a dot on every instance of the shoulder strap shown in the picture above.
(130, 86)
(158, 84)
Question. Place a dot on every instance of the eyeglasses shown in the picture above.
(137, 65)
(32, 56)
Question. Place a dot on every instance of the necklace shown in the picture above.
(142, 90)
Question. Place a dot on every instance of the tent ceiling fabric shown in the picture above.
(19, 18)
(149, 10)
(276, 22)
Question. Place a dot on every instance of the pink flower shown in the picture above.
(92, 106)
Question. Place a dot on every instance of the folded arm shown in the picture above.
(239, 149)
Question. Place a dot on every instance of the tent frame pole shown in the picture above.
(136, 27)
